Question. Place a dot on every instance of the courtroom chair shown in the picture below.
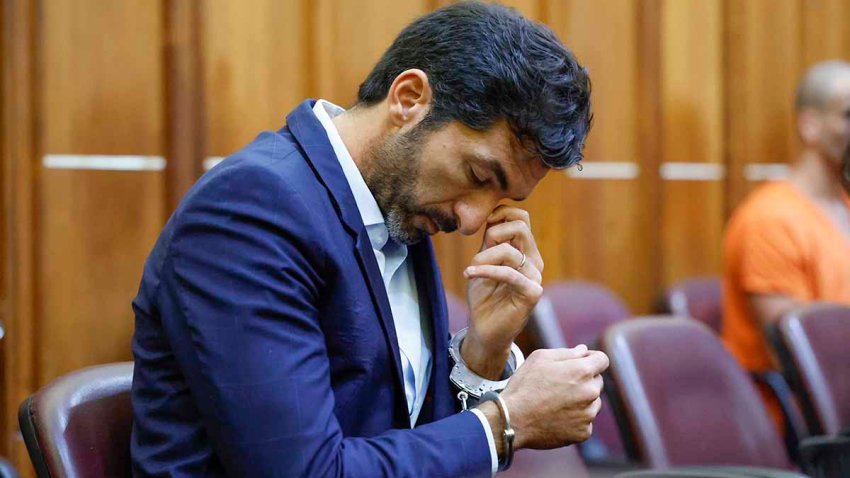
(572, 313)
(7, 470)
(558, 463)
(699, 298)
(79, 424)
(584, 310)
(812, 343)
(682, 399)
(458, 312)
(713, 472)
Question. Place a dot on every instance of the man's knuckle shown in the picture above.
(535, 355)
(523, 227)
(588, 393)
(583, 369)
(507, 249)
(535, 291)
(598, 388)
(603, 358)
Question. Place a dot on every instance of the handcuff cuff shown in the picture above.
(473, 387)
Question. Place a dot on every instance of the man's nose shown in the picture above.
(472, 215)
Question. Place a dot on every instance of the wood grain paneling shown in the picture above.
(102, 80)
(3, 175)
(691, 104)
(255, 63)
(19, 132)
(762, 69)
(534, 9)
(186, 131)
(826, 30)
(344, 51)
(600, 229)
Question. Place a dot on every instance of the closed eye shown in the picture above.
(475, 180)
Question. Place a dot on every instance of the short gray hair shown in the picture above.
(815, 89)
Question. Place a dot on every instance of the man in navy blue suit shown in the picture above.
(291, 319)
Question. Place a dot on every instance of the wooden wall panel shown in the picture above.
(762, 70)
(18, 131)
(534, 9)
(692, 117)
(256, 67)
(185, 135)
(97, 229)
(97, 101)
(600, 229)
(344, 51)
(102, 93)
(3, 175)
(826, 30)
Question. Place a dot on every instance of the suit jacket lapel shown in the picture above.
(310, 134)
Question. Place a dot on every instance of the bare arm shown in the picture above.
(769, 308)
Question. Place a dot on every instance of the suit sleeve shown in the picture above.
(247, 277)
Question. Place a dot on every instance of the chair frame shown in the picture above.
(40, 451)
(791, 369)
(27, 424)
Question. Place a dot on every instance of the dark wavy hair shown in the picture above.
(486, 62)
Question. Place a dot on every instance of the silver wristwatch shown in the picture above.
(471, 384)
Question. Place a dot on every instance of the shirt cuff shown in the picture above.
(494, 458)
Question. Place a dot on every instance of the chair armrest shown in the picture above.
(825, 456)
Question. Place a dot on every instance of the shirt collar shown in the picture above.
(371, 214)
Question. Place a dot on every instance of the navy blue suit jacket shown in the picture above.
(264, 342)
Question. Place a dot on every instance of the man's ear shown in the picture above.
(409, 98)
(808, 124)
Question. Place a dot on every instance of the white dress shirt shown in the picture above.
(400, 282)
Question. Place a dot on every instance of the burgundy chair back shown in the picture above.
(683, 398)
(814, 347)
(79, 425)
(699, 298)
(584, 310)
(573, 313)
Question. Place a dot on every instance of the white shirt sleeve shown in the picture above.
(494, 458)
